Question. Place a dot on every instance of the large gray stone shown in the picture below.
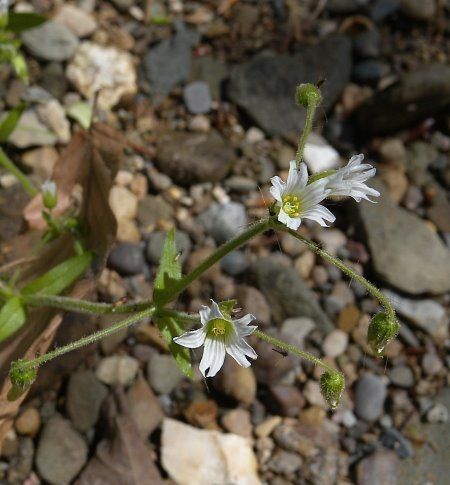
(224, 221)
(194, 158)
(264, 87)
(419, 94)
(61, 452)
(288, 293)
(370, 394)
(51, 42)
(406, 253)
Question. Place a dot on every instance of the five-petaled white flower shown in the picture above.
(349, 181)
(297, 200)
(220, 335)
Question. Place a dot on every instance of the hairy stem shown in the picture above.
(292, 349)
(310, 112)
(90, 339)
(83, 306)
(372, 289)
(29, 188)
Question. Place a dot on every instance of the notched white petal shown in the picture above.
(192, 339)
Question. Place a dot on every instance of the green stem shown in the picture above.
(220, 252)
(372, 289)
(29, 188)
(90, 339)
(310, 112)
(292, 349)
(82, 306)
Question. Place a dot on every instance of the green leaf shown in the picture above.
(60, 277)
(18, 22)
(9, 123)
(170, 328)
(12, 317)
(169, 272)
(226, 307)
(81, 112)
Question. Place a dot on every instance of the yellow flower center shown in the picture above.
(219, 328)
(291, 205)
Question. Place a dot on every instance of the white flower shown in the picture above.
(297, 200)
(349, 181)
(219, 335)
(49, 187)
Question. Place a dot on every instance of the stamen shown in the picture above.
(291, 205)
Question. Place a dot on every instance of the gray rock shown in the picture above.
(197, 97)
(296, 329)
(212, 71)
(418, 264)
(370, 71)
(420, 155)
(224, 221)
(429, 459)
(419, 94)
(419, 9)
(123, 4)
(381, 9)
(288, 294)
(367, 43)
(163, 374)
(428, 315)
(379, 468)
(127, 259)
(54, 80)
(402, 376)
(153, 209)
(370, 394)
(264, 87)
(285, 462)
(85, 395)
(61, 452)
(51, 41)
(30, 131)
(21, 465)
(117, 370)
(234, 263)
(156, 243)
(189, 158)
(168, 63)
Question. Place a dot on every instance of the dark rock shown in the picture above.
(264, 87)
(156, 242)
(21, 464)
(380, 468)
(169, 63)
(212, 71)
(419, 265)
(344, 6)
(420, 156)
(127, 259)
(61, 452)
(153, 209)
(419, 94)
(288, 400)
(382, 9)
(370, 394)
(367, 44)
(224, 221)
(370, 71)
(197, 97)
(234, 263)
(285, 462)
(51, 41)
(194, 158)
(439, 212)
(392, 438)
(402, 376)
(419, 9)
(54, 80)
(85, 395)
(288, 294)
(270, 367)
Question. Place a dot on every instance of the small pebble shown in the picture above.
(335, 343)
(28, 422)
(117, 369)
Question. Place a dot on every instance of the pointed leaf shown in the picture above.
(20, 21)
(9, 123)
(12, 317)
(170, 328)
(169, 269)
(60, 277)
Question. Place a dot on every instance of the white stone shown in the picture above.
(313, 394)
(123, 202)
(105, 69)
(254, 135)
(77, 20)
(192, 456)
(335, 343)
(319, 155)
(30, 131)
(117, 369)
(296, 329)
(52, 114)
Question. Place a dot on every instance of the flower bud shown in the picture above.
(308, 95)
(332, 385)
(381, 330)
(21, 377)
(49, 195)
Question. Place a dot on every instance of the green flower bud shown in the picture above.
(49, 194)
(308, 95)
(21, 377)
(332, 385)
(381, 331)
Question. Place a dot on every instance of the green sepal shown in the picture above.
(169, 329)
(60, 277)
(307, 95)
(169, 272)
(21, 379)
(332, 385)
(12, 317)
(226, 307)
(8, 125)
(381, 331)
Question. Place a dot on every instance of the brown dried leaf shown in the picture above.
(124, 458)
